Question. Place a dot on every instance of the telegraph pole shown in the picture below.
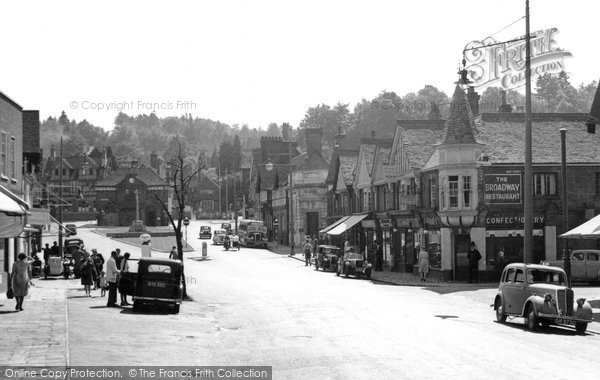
(291, 208)
(60, 197)
(528, 188)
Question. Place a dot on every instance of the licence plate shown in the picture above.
(157, 284)
(563, 321)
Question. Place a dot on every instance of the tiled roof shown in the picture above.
(504, 137)
(368, 147)
(348, 160)
(385, 154)
(595, 111)
(144, 174)
(312, 162)
(459, 127)
(420, 144)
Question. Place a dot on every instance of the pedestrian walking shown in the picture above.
(474, 256)
(379, 258)
(347, 245)
(20, 279)
(423, 264)
(307, 248)
(122, 284)
(173, 255)
(111, 277)
(47, 252)
(88, 274)
(315, 244)
(119, 257)
(98, 260)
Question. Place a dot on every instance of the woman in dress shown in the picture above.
(423, 264)
(88, 273)
(124, 268)
(20, 280)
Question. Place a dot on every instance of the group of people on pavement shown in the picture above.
(309, 247)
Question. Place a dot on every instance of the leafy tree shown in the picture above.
(236, 153)
(273, 130)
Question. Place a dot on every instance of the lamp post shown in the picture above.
(291, 205)
(565, 206)
(528, 188)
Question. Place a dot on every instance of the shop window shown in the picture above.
(467, 191)
(544, 184)
(453, 191)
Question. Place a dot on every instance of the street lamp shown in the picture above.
(565, 205)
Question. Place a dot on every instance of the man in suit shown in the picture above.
(111, 278)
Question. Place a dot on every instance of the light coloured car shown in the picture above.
(540, 294)
(585, 265)
(219, 236)
(354, 264)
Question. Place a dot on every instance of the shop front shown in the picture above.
(12, 222)
(384, 235)
(504, 233)
(431, 237)
(407, 225)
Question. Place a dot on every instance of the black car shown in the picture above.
(70, 229)
(327, 257)
(205, 232)
(157, 282)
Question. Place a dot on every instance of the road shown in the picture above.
(254, 307)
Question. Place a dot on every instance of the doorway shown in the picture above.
(462, 243)
(150, 218)
(312, 223)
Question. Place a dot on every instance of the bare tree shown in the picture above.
(182, 173)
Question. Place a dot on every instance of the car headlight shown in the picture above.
(580, 302)
(548, 297)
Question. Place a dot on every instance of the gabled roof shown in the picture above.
(459, 126)
(419, 144)
(348, 160)
(594, 117)
(504, 136)
(144, 174)
(368, 146)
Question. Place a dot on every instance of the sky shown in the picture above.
(256, 62)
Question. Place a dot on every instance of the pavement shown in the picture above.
(389, 277)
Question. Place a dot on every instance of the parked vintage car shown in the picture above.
(70, 229)
(156, 282)
(540, 294)
(205, 232)
(219, 236)
(585, 265)
(256, 239)
(354, 264)
(70, 246)
(327, 257)
(226, 226)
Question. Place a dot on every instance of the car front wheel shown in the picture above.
(531, 319)
(581, 327)
(500, 316)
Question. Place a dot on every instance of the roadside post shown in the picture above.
(186, 223)
(204, 253)
(146, 246)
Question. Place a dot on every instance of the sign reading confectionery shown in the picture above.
(513, 219)
(502, 188)
(491, 63)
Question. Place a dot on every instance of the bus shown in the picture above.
(248, 227)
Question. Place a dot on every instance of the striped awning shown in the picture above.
(347, 224)
(332, 225)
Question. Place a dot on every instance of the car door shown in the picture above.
(509, 290)
(578, 265)
(592, 268)
(521, 292)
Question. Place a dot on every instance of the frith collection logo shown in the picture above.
(503, 64)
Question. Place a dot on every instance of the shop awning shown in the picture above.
(332, 225)
(346, 224)
(587, 230)
(11, 204)
(38, 216)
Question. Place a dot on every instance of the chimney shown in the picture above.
(314, 141)
(504, 107)
(134, 166)
(52, 152)
(285, 132)
(473, 98)
(154, 160)
(340, 139)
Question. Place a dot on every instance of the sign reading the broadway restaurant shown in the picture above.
(502, 189)
(503, 64)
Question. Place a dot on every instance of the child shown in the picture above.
(102, 283)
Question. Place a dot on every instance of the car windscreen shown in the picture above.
(539, 276)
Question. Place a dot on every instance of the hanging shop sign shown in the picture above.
(385, 223)
(491, 63)
(502, 188)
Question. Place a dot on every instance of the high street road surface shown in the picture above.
(254, 307)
